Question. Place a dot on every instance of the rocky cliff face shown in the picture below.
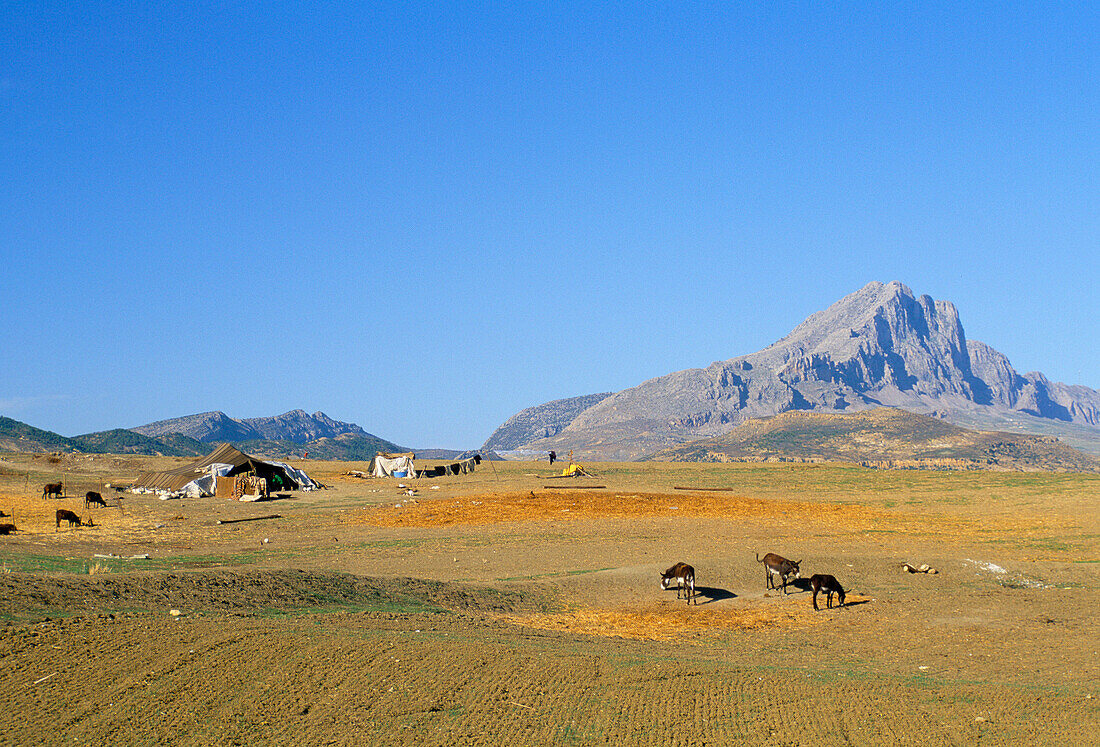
(878, 346)
(543, 421)
(1031, 393)
(210, 427)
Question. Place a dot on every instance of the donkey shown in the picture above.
(683, 575)
(92, 498)
(51, 489)
(828, 584)
(777, 565)
(64, 514)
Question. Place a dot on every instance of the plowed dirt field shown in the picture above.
(504, 608)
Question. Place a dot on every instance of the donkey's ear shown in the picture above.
(798, 562)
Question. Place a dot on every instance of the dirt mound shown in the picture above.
(229, 591)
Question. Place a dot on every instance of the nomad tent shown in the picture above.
(393, 465)
(198, 478)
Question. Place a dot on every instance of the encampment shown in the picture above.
(198, 478)
(393, 465)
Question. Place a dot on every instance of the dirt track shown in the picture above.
(495, 611)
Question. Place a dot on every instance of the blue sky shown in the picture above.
(425, 217)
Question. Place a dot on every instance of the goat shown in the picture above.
(93, 498)
(829, 585)
(53, 488)
(683, 575)
(64, 514)
(7, 528)
(777, 565)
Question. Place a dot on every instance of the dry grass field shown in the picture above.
(503, 607)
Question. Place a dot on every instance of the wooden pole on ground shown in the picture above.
(251, 518)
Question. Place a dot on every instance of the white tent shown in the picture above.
(392, 465)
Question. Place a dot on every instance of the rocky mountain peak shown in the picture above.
(297, 426)
(879, 346)
(881, 335)
(301, 427)
(206, 426)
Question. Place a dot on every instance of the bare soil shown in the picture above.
(497, 610)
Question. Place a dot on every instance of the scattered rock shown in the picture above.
(924, 568)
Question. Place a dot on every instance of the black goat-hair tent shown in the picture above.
(174, 479)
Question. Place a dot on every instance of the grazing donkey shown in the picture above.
(828, 584)
(683, 575)
(777, 565)
(92, 498)
(64, 514)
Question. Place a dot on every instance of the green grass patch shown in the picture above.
(19, 563)
(1052, 545)
(22, 563)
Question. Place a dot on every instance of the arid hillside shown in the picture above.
(884, 437)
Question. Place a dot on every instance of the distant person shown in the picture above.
(553, 456)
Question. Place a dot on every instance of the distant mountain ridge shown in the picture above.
(282, 436)
(296, 426)
(880, 346)
(16, 436)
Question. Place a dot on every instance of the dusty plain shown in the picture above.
(506, 608)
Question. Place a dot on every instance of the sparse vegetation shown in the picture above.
(882, 438)
(493, 591)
